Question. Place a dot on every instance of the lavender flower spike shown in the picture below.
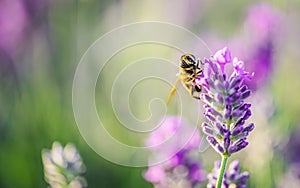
(225, 108)
(63, 167)
(232, 177)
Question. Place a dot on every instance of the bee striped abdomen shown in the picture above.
(190, 71)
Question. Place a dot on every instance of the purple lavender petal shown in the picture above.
(235, 82)
(239, 69)
(221, 129)
(208, 98)
(247, 114)
(246, 94)
(221, 78)
(219, 98)
(235, 97)
(243, 107)
(209, 131)
(220, 149)
(237, 113)
(228, 111)
(210, 117)
(242, 146)
(232, 149)
(216, 105)
(210, 83)
(243, 89)
(213, 66)
(219, 85)
(213, 112)
(240, 122)
(206, 106)
(223, 57)
(212, 140)
(240, 141)
(249, 127)
(204, 124)
(237, 131)
(226, 140)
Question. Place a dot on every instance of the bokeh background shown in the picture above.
(41, 43)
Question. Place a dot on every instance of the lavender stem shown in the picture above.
(222, 170)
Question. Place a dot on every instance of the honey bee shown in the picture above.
(189, 69)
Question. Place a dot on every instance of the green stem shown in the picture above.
(222, 171)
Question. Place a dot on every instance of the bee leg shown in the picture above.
(200, 61)
(172, 92)
(194, 90)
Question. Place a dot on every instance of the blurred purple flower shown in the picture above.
(187, 172)
(290, 151)
(260, 61)
(263, 21)
(18, 19)
(291, 178)
(155, 174)
(171, 136)
(37, 12)
(164, 131)
(225, 108)
(257, 46)
(232, 178)
(263, 24)
(183, 169)
(291, 147)
(13, 22)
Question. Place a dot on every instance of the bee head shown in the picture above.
(187, 60)
(190, 58)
